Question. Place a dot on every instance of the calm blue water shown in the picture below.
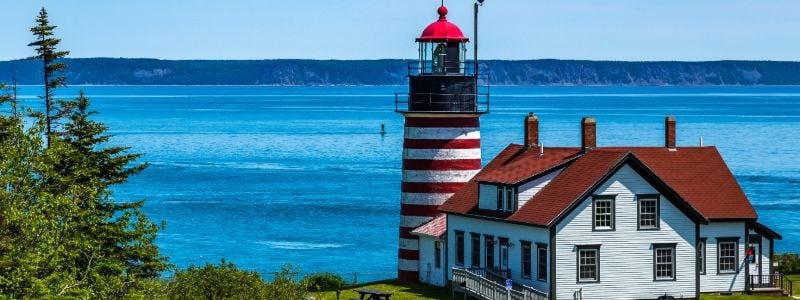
(267, 175)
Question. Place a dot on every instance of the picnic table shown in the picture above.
(373, 294)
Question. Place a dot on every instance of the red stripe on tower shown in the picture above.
(440, 154)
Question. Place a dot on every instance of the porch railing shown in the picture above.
(481, 286)
(771, 281)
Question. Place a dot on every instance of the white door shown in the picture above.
(753, 256)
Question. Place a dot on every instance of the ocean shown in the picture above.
(265, 175)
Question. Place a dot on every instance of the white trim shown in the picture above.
(438, 176)
(442, 133)
(408, 265)
(413, 221)
(409, 244)
(442, 154)
(424, 198)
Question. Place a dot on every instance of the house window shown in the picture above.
(510, 199)
(526, 259)
(589, 263)
(500, 196)
(664, 261)
(603, 213)
(476, 250)
(503, 253)
(648, 212)
(437, 253)
(541, 259)
(460, 248)
(489, 251)
(506, 198)
(727, 255)
(701, 259)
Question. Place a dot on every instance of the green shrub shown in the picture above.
(286, 285)
(324, 282)
(223, 281)
(788, 263)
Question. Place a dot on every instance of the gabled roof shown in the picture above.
(695, 178)
(436, 228)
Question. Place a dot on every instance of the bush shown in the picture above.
(324, 282)
(285, 285)
(223, 281)
(788, 263)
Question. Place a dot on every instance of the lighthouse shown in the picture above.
(442, 145)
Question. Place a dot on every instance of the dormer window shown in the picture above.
(506, 198)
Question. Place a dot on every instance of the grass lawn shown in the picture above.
(400, 291)
(795, 284)
(405, 291)
(741, 297)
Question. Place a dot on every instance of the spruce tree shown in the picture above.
(45, 46)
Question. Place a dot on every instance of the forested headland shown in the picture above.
(137, 71)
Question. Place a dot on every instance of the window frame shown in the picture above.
(727, 240)
(526, 255)
(475, 250)
(673, 248)
(504, 252)
(541, 276)
(437, 255)
(702, 256)
(488, 249)
(501, 194)
(648, 197)
(610, 198)
(510, 199)
(459, 248)
(581, 248)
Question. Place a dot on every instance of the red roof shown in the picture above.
(435, 228)
(442, 31)
(697, 176)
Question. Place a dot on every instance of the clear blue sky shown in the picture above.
(371, 29)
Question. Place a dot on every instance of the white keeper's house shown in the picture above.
(600, 223)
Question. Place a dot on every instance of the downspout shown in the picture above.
(552, 273)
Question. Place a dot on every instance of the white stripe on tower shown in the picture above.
(440, 154)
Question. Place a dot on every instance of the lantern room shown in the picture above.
(442, 47)
(442, 80)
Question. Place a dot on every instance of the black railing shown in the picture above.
(772, 281)
(445, 68)
(434, 102)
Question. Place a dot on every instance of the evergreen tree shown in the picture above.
(45, 46)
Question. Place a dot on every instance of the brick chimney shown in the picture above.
(588, 134)
(669, 133)
(531, 131)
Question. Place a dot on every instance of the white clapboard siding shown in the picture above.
(626, 254)
(529, 189)
(711, 281)
(766, 262)
(488, 196)
(514, 233)
(428, 272)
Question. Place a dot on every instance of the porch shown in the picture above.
(482, 283)
(774, 284)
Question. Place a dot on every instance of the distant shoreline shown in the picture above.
(394, 72)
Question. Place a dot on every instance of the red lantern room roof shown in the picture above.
(442, 30)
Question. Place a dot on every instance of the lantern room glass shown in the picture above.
(442, 58)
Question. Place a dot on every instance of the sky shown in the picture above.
(689, 30)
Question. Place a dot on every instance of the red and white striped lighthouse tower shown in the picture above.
(442, 146)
